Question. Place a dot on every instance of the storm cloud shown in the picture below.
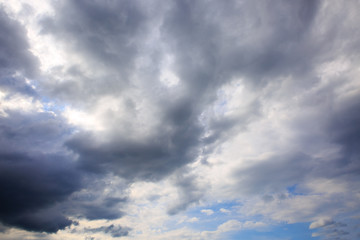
(146, 114)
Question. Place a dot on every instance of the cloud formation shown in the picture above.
(168, 117)
(114, 231)
(34, 175)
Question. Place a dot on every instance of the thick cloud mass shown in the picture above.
(201, 60)
(28, 186)
(34, 175)
(136, 113)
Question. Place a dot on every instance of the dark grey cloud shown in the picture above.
(344, 130)
(94, 203)
(40, 182)
(18, 84)
(16, 61)
(190, 191)
(114, 231)
(29, 187)
(275, 173)
(106, 35)
(31, 181)
(93, 212)
(15, 54)
(96, 30)
(336, 230)
(259, 41)
(35, 174)
(148, 160)
(3, 228)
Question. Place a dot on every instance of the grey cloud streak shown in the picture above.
(114, 231)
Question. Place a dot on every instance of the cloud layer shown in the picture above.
(156, 119)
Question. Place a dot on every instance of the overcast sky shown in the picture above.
(179, 119)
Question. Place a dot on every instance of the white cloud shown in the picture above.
(193, 219)
(18, 102)
(232, 225)
(321, 223)
(207, 211)
(223, 210)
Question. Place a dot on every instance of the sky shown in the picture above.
(179, 120)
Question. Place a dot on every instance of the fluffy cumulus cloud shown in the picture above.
(179, 119)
